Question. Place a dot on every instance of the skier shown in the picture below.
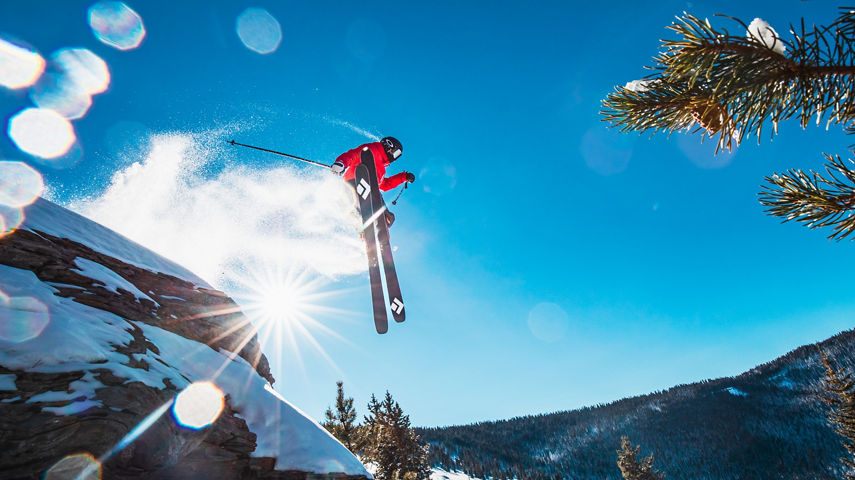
(386, 151)
(367, 165)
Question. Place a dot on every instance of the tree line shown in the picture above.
(384, 441)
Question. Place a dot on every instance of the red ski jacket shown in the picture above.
(351, 159)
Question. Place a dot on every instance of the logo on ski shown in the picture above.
(397, 306)
(363, 189)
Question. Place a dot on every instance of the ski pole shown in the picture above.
(395, 201)
(283, 154)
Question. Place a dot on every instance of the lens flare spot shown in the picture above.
(54, 91)
(84, 68)
(703, 154)
(20, 184)
(366, 40)
(67, 88)
(19, 67)
(117, 25)
(548, 322)
(259, 31)
(140, 428)
(81, 466)
(198, 405)
(10, 219)
(22, 318)
(67, 160)
(439, 178)
(41, 132)
(605, 151)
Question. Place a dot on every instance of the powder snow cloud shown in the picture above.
(222, 221)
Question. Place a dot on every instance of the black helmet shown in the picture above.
(392, 147)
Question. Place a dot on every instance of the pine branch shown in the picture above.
(667, 107)
(733, 85)
(813, 199)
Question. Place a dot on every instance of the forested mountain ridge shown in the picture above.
(767, 423)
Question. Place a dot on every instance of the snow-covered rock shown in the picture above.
(97, 338)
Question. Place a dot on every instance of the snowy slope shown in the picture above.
(44, 333)
(768, 423)
(440, 474)
(47, 217)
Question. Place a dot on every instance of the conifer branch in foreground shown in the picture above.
(813, 199)
(735, 85)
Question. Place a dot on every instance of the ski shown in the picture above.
(393, 288)
(365, 198)
(396, 301)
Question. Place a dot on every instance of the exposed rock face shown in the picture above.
(205, 315)
(69, 402)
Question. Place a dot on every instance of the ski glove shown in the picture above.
(337, 168)
(410, 177)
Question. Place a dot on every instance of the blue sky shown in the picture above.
(649, 260)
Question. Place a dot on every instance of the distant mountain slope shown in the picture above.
(98, 337)
(768, 423)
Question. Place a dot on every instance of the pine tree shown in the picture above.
(841, 396)
(340, 423)
(631, 467)
(371, 430)
(391, 443)
(735, 85)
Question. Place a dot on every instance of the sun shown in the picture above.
(289, 308)
(279, 298)
(280, 303)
